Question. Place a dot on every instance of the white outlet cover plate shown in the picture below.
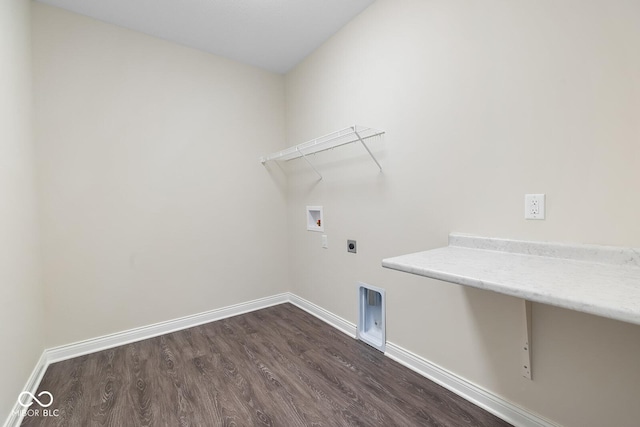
(534, 206)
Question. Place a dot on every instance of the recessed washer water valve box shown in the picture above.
(315, 221)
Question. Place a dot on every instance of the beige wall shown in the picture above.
(154, 204)
(20, 287)
(482, 102)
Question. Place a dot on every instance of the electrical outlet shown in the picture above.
(534, 206)
(351, 246)
(325, 241)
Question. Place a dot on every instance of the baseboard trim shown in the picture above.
(328, 317)
(475, 394)
(492, 403)
(498, 406)
(15, 417)
(81, 348)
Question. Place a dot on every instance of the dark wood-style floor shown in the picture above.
(274, 367)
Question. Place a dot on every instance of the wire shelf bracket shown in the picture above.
(335, 139)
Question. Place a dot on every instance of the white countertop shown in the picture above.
(600, 280)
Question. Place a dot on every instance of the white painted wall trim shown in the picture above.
(336, 321)
(492, 403)
(495, 404)
(81, 348)
(69, 351)
(15, 419)
(475, 394)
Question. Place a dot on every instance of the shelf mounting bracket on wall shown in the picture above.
(366, 148)
(308, 162)
(526, 340)
(344, 136)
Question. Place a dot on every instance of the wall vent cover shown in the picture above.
(371, 316)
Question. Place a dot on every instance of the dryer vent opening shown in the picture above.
(371, 316)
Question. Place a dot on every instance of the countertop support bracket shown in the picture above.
(599, 280)
(526, 340)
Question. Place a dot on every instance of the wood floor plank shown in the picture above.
(274, 367)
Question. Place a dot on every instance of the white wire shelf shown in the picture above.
(335, 139)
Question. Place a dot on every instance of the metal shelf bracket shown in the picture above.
(366, 148)
(345, 136)
(309, 162)
(526, 340)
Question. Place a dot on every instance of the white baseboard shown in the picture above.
(324, 315)
(475, 394)
(15, 417)
(496, 405)
(492, 403)
(81, 348)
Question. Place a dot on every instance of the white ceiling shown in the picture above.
(270, 34)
